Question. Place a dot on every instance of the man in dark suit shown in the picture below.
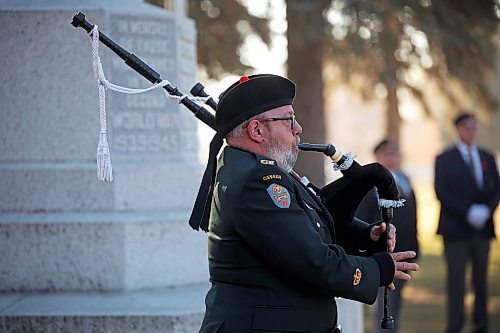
(405, 219)
(467, 185)
(274, 262)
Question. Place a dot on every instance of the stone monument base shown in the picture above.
(175, 310)
(92, 252)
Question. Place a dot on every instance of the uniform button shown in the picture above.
(318, 225)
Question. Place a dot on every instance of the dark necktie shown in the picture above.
(470, 164)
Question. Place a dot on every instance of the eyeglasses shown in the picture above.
(291, 118)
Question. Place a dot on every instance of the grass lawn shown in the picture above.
(423, 309)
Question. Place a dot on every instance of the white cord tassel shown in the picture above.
(104, 168)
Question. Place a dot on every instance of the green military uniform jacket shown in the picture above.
(273, 261)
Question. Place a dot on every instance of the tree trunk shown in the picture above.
(390, 39)
(392, 114)
(305, 68)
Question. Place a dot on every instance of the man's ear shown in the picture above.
(254, 131)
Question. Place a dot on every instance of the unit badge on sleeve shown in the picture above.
(357, 277)
(279, 195)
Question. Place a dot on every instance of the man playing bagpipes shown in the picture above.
(278, 253)
(274, 257)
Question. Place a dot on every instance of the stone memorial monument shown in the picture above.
(65, 234)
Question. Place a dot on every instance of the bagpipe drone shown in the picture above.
(341, 197)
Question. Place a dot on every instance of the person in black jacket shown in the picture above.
(405, 219)
(274, 262)
(467, 185)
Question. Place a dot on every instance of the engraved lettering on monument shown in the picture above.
(145, 124)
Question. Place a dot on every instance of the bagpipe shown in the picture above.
(341, 197)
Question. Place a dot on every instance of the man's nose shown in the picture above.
(297, 129)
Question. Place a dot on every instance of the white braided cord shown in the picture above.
(104, 168)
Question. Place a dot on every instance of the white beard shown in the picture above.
(285, 158)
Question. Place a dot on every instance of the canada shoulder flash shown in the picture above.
(271, 177)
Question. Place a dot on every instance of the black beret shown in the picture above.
(251, 96)
(463, 117)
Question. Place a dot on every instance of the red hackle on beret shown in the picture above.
(244, 78)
